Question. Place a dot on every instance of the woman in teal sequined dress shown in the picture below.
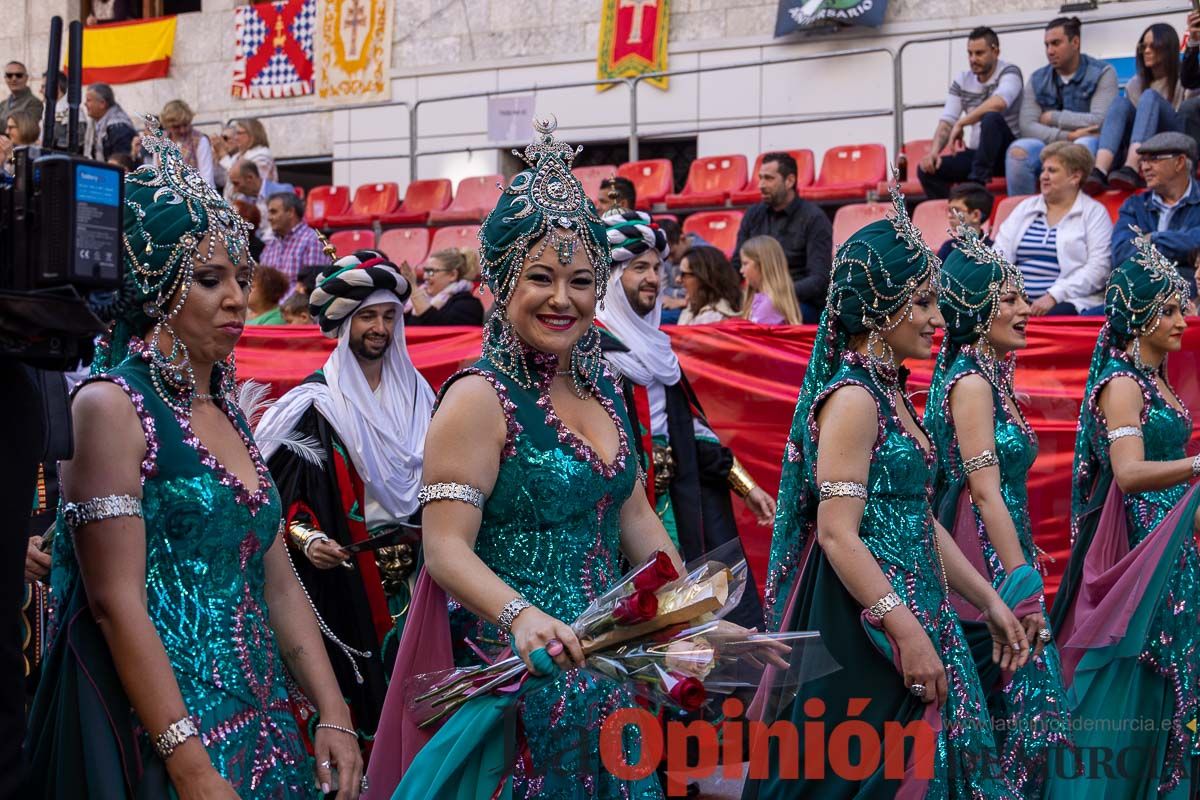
(985, 449)
(1126, 616)
(165, 677)
(857, 555)
(532, 500)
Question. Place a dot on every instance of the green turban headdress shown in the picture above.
(168, 210)
(544, 207)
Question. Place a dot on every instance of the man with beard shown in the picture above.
(691, 472)
(353, 435)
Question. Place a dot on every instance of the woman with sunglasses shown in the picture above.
(447, 297)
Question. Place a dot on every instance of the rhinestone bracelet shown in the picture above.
(883, 605)
(982, 461)
(76, 515)
(461, 492)
(1121, 433)
(1196, 467)
(509, 613)
(831, 489)
(176, 734)
(333, 727)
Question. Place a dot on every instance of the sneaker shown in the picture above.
(1095, 183)
(1126, 179)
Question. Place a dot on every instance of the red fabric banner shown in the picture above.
(747, 377)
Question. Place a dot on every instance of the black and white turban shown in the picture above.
(349, 283)
(631, 233)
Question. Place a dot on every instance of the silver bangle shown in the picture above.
(982, 461)
(95, 509)
(462, 492)
(333, 727)
(1196, 467)
(176, 734)
(883, 605)
(314, 537)
(831, 489)
(1121, 433)
(509, 613)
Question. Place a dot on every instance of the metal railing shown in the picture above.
(897, 111)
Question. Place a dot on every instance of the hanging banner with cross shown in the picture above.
(274, 50)
(354, 50)
(633, 40)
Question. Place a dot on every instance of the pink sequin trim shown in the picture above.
(150, 460)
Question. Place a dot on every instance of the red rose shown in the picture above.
(635, 608)
(688, 693)
(655, 573)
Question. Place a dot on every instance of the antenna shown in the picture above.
(52, 68)
(74, 83)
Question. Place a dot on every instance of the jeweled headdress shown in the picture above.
(972, 281)
(543, 207)
(1138, 288)
(169, 210)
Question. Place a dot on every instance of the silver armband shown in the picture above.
(76, 515)
(831, 489)
(462, 492)
(176, 734)
(1121, 433)
(510, 611)
(982, 461)
(883, 605)
(1196, 467)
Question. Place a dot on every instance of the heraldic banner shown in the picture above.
(274, 50)
(633, 40)
(354, 50)
(797, 15)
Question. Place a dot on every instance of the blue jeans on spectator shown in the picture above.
(1126, 124)
(1022, 172)
(979, 165)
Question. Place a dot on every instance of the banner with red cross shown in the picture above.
(274, 50)
(633, 40)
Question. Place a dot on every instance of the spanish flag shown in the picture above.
(124, 52)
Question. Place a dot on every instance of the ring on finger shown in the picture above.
(364, 784)
(326, 764)
(918, 689)
(1044, 635)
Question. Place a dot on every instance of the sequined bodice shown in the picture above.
(206, 536)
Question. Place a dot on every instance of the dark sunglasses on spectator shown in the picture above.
(12, 76)
(683, 274)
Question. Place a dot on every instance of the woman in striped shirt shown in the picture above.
(1060, 239)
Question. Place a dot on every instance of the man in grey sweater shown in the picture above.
(1066, 100)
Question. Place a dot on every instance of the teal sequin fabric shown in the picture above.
(551, 531)
(206, 535)
(897, 528)
(1173, 648)
(1031, 713)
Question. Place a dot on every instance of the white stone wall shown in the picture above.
(444, 47)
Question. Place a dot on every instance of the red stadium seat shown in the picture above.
(371, 200)
(326, 200)
(653, 179)
(405, 244)
(590, 177)
(930, 218)
(849, 219)
(1112, 201)
(749, 194)
(718, 228)
(848, 172)
(299, 190)
(421, 198)
(475, 198)
(456, 237)
(710, 181)
(1002, 209)
(346, 242)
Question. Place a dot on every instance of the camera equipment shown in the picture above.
(60, 233)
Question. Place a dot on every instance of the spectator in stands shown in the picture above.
(1064, 101)
(1150, 105)
(295, 310)
(447, 296)
(249, 183)
(1189, 78)
(713, 294)
(800, 227)
(1060, 239)
(616, 192)
(104, 11)
(225, 148)
(988, 97)
(62, 110)
(674, 299)
(769, 298)
(110, 130)
(268, 288)
(248, 211)
(176, 119)
(306, 278)
(20, 96)
(20, 128)
(974, 203)
(1170, 211)
(293, 243)
(250, 138)
(124, 161)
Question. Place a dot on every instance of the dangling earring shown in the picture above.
(171, 374)
(1137, 356)
(882, 367)
(586, 361)
(503, 348)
